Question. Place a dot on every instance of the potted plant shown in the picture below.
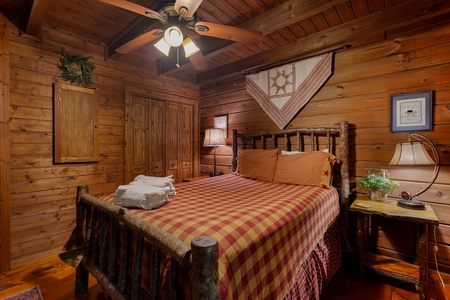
(378, 186)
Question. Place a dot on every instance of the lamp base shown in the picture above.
(410, 204)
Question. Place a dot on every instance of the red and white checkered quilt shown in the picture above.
(265, 230)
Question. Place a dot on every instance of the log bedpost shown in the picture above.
(81, 273)
(345, 178)
(235, 147)
(205, 268)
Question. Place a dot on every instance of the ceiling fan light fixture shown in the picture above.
(189, 47)
(173, 36)
(163, 46)
(186, 8)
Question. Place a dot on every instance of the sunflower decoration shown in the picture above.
(76, 69)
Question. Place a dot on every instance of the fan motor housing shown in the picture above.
(167, 10)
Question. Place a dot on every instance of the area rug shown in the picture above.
(30, 294)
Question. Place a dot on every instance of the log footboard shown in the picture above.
(116, 263)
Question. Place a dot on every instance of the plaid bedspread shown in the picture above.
(265, 230)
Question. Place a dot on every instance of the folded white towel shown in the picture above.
(156, 181)
(141, 196)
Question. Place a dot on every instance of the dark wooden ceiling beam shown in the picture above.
(358, 32)
(283, 15)
(36, 18)
(139, 26)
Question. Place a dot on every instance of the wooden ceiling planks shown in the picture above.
(291, 27)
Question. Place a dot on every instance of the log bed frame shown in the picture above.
(100, 223)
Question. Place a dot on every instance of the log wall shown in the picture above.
(359, 91)
(42, 195)
(4, 145)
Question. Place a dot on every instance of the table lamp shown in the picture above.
(214, 137)
(413, 153)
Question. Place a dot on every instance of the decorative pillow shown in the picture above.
(307, 168)
(257, 164)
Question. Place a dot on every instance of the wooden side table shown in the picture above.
(416, 273)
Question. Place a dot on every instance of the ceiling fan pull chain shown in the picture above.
(178, 57)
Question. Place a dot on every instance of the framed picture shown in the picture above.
(412, 112)
(222, 123)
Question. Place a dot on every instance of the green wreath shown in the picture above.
(82, 74)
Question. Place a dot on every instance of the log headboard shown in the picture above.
(335, 139)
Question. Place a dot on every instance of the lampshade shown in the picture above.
(411, 153)
(414, 153)
(214, 137)
(163, 46)
(189, 47)
(173, 36)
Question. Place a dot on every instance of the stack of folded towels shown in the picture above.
(146, 192)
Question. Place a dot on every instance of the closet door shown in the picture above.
(179, 140)
(156, 140)
(160, 139)
(185, 141)
(172, 136)
(138, 137)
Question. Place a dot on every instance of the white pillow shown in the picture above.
(284, 152)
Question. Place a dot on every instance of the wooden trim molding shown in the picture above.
(5, 215)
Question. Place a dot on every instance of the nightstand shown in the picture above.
(416, 273)
(195, 178)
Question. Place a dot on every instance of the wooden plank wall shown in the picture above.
(359, 91)
(4, 145)
(42, 194)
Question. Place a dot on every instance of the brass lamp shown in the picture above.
(414, 153)
(214, 137)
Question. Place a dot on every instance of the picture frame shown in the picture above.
(222, 123)
(412, 112)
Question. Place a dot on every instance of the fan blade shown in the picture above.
(241, 35)
(198, 61)
(140, 41)
(190, 6)
(130, 6)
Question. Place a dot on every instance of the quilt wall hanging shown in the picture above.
(282, 91)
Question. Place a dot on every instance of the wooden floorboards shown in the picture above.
(346, 286)
(56, 281)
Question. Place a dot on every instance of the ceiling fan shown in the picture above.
(178, 17)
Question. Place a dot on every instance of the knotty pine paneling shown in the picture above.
(359, 91)
(5, 144)
(42, 195)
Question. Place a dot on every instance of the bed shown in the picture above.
(234, 236)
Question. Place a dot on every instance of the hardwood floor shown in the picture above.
(56, 281)
(345, 286)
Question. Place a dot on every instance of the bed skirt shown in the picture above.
(321, 265)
